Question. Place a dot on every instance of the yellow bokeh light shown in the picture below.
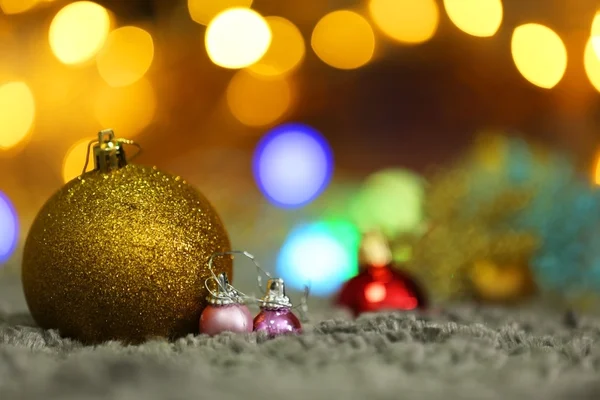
(596, 34)
(343, 39)
(17, 6)
(127, 110)
(17, 113)
(539, 54)
(237, 38)
(597, 171)
(406, 21)
(286, 51)
(126, 56)
(74, 160)
(256, 101)
(78, 31)
(591, 64)
(480, 18)
(203, 11)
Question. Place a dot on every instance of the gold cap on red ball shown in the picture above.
(374, 250)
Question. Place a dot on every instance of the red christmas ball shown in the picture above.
(381, 289)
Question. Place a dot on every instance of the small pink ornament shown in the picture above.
(276, 316)
(226, 311)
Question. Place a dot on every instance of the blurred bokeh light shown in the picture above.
(406, 21)
(17, 113)
(56, 87)
(237, 38)
(293, 164)
(203, 11)
(9, 228)
(539, 54)
(343, 39)
(126, 56)
(591, 62)
(322, 254)
(596, 34)
(17, 6)
(74, 160)
(596, 173)
(480, 18)
(128, 110)
(78, 31)
(286, 51)
(256, 101)
(390, 201)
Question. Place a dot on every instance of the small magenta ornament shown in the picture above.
(276, 316)
(226, 311)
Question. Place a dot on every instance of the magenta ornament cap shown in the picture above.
(276, 316)
(226, 311)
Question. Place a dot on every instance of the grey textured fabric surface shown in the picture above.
(461, 353)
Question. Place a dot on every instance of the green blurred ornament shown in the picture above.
(457, 239)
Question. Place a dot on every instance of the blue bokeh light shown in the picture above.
(292, 165)
(9, 228)
(322, 255)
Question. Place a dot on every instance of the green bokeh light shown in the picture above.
(390, 201)
(346, 233)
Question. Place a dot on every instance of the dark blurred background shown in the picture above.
(388, 83)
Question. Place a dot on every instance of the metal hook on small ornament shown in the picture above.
(259, 271)
(226, 310)
(274, 296)
(223, 285)
(303, 306)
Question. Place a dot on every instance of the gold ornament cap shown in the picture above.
(374, 250)
(108, 151)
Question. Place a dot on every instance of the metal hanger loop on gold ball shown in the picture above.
(109, 153)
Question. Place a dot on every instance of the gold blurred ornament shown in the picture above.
(490, 150)
(120, 253)
(443, 258)
(502, 283)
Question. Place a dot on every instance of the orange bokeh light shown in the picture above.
(597, 171)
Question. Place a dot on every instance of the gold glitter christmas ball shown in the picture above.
(122, 255)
